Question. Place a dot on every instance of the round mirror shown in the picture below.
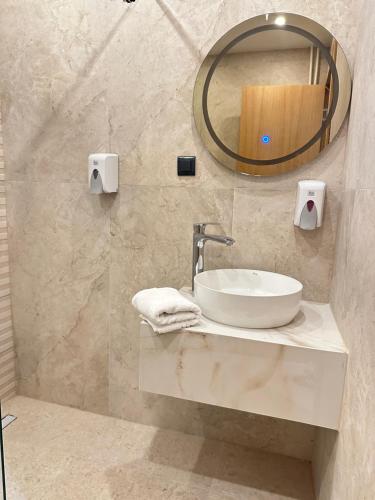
(272, 93)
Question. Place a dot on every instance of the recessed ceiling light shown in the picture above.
(280, 20)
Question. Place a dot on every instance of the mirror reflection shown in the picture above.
(272, 94)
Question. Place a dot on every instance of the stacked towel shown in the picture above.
(165, 309)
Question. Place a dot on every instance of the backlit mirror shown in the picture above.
(272, 93)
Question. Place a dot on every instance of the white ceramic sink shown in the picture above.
(247, 298)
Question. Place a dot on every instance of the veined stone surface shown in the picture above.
(344, 464)
(295, 372)
(80, 77)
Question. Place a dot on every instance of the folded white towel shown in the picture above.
(172, 327)
(166, 309)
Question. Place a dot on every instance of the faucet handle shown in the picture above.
(200, 227)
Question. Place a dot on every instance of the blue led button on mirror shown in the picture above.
(266, 139)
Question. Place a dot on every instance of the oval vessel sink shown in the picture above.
(247, 298)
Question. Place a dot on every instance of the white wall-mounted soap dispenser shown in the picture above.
(310, 204)
(103, 173)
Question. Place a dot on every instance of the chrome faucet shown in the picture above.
(199, 239)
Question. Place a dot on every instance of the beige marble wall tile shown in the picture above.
(70, 84)
(80, 77)
(53, 93)
(360, 171)
(354, 305)
(344, 464)
(60, 270)
(153, 159)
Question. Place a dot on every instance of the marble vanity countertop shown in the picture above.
(296, 372)
(313, 328)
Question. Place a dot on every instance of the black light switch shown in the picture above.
(185, 165)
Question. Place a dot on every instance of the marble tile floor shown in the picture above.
(55, 452)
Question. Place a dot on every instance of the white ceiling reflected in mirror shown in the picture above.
(271, 94)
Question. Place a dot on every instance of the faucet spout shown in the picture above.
(224, 240)
(199, 240)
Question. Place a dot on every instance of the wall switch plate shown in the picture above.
(186, 165)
